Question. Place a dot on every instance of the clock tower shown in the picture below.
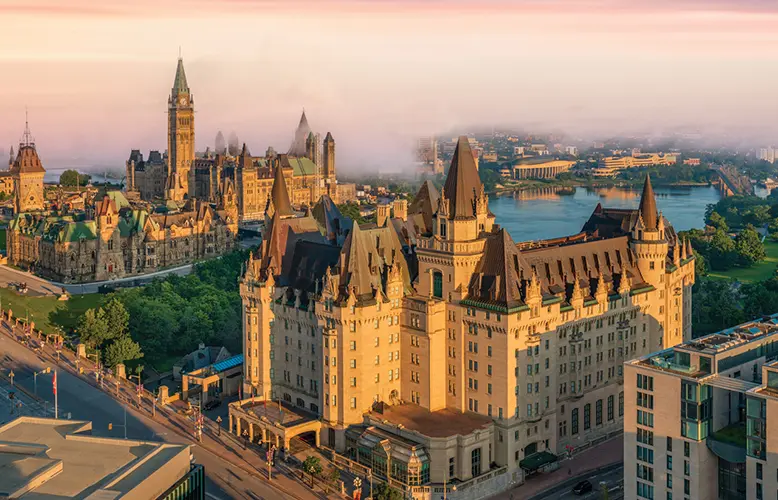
(27, 172)
(180, 139)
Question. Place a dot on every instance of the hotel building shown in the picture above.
(431, 348)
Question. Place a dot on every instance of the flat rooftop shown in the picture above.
(441, 423)
(715, 347)
(43, 458)
(288, 415)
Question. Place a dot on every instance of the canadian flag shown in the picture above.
(54, 383)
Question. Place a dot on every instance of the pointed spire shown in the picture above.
(463, 183)
(355, 271)
(689, 249)
(648, 206)
(11, 156)
(280, 196)
(27, 139)
(179, 83)
(297, 149)
(328, 138)
(682, 244)
(602, 287)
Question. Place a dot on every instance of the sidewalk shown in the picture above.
(225, 446)
(609, 452)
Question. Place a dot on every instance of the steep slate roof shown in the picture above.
(179, 83)
(27, 161)
(648, 209)
(279, 196)
(356, 267)
(425, 204)
(334, 224)
(279, 239)
(463, 183)
(558, 266)
(497, 277)
(310, 261)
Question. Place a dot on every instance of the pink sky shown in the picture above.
(95, 75)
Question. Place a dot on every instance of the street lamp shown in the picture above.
(357, 488)
(35, 378)
(12, 374)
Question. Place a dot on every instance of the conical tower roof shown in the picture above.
(280, 196)
(425, 203)
(648, 209)
(463, 183)
(301, 134)
(179, 84)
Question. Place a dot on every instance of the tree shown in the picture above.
(73, 178)
(332, 477)
(116, 317)
(717, 221)
(312, 465)
(700, 264)
(749, 247)
(383, 491)
(722, 254)
(93, 328)
(121, 350)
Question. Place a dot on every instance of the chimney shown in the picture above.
(400, 209)
(382, 215)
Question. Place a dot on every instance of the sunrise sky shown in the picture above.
(96, 75)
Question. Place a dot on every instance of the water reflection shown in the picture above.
(552, 212)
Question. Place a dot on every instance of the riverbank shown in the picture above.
(598, 184)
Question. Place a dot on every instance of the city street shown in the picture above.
(81, 400)
(611, 479)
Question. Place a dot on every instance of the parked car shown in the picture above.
(582, 487)
(210, 405)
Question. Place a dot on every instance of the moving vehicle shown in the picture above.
(582, 487)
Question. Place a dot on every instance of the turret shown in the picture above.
(648, 238)
(400, 207)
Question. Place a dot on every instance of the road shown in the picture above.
(81, 401)
(611, 478)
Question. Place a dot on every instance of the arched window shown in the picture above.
(437, 284)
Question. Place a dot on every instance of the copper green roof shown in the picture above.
(118, 198)
(179, 84)
(132, 222)
(302, 166)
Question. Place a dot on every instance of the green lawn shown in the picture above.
(47, 312)
(733, 434)
(759, 272)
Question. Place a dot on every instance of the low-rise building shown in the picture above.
(696, 422)
(541, 169)
(50, 458)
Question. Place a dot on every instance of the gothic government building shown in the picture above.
(433, 348)
(181, 173)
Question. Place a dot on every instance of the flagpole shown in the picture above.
(56, 408)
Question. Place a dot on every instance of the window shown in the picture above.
(758, 470)
(621, 404)
(669, 443)
(437, 284)
(598, 412)
(574, 422)
(475, 462)
(669, 462)
(687, 468)
(610, 408)
(686, 449)
(587, 416)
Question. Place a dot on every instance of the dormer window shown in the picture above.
(443, 228)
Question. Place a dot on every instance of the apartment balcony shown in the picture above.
(729, 443)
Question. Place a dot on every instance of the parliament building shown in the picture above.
(180, 173)
(434, 350)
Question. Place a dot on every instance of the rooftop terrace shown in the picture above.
(707, 355)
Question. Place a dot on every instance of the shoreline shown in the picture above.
(594, 185)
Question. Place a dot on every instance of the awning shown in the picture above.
(537, 460)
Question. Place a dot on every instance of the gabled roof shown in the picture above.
(278, 242)
(463, 183)
(179, 83)
(648, 209)
(356, 267)
(425, 203)
(497, 277)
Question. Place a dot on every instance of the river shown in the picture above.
(535, 214)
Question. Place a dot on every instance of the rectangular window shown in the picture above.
(598, 412)
(587, 416)
(610, 408)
